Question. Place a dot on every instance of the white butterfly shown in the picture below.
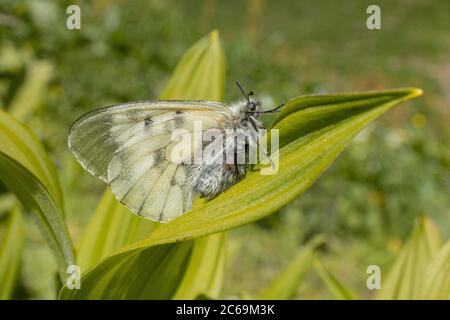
(128, 147)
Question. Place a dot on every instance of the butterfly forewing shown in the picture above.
(128, 145)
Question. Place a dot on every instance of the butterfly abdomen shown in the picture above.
(208, 181)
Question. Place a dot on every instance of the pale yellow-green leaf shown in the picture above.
(204, 274)
(200, 74)
(11, 248)
(437, 276)
(26, 170)
(405, 279)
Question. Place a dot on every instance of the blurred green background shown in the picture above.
(366, 203)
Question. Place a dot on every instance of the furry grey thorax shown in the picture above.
(210, 178)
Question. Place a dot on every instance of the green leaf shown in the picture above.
(11, 247)
(111, 227)
(7, 202)
(286, 283)
(172, 271)
(406, 278)
(437, 276)
(178, 271)
(205, 271)
(334, 286)
(26, 170)
(147, 274)
(200, 74)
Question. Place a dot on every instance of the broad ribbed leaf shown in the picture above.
(26, 170)
(200, 74)
(11, 247)
(111, 227)
(406, 278)
(205, 271)
(178, 271)
(154, 273)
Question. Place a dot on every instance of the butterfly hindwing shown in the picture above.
(127, 146)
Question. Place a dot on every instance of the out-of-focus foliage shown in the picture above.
(394, 171)
(286, 284)
(406, 279)
(334, 286)
(11, 249)
(437, 275)
(421, 270)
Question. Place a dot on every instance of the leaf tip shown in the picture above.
(415, 92)
(214, 35)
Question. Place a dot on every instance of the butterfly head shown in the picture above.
(253, 108)
(250, 107)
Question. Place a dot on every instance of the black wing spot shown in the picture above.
(148, 121)
(158, 157)
(179, 120)
(169, 126)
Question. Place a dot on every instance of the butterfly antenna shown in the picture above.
(246, 96)
(273, 110)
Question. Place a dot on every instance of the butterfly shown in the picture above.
(129, 146)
